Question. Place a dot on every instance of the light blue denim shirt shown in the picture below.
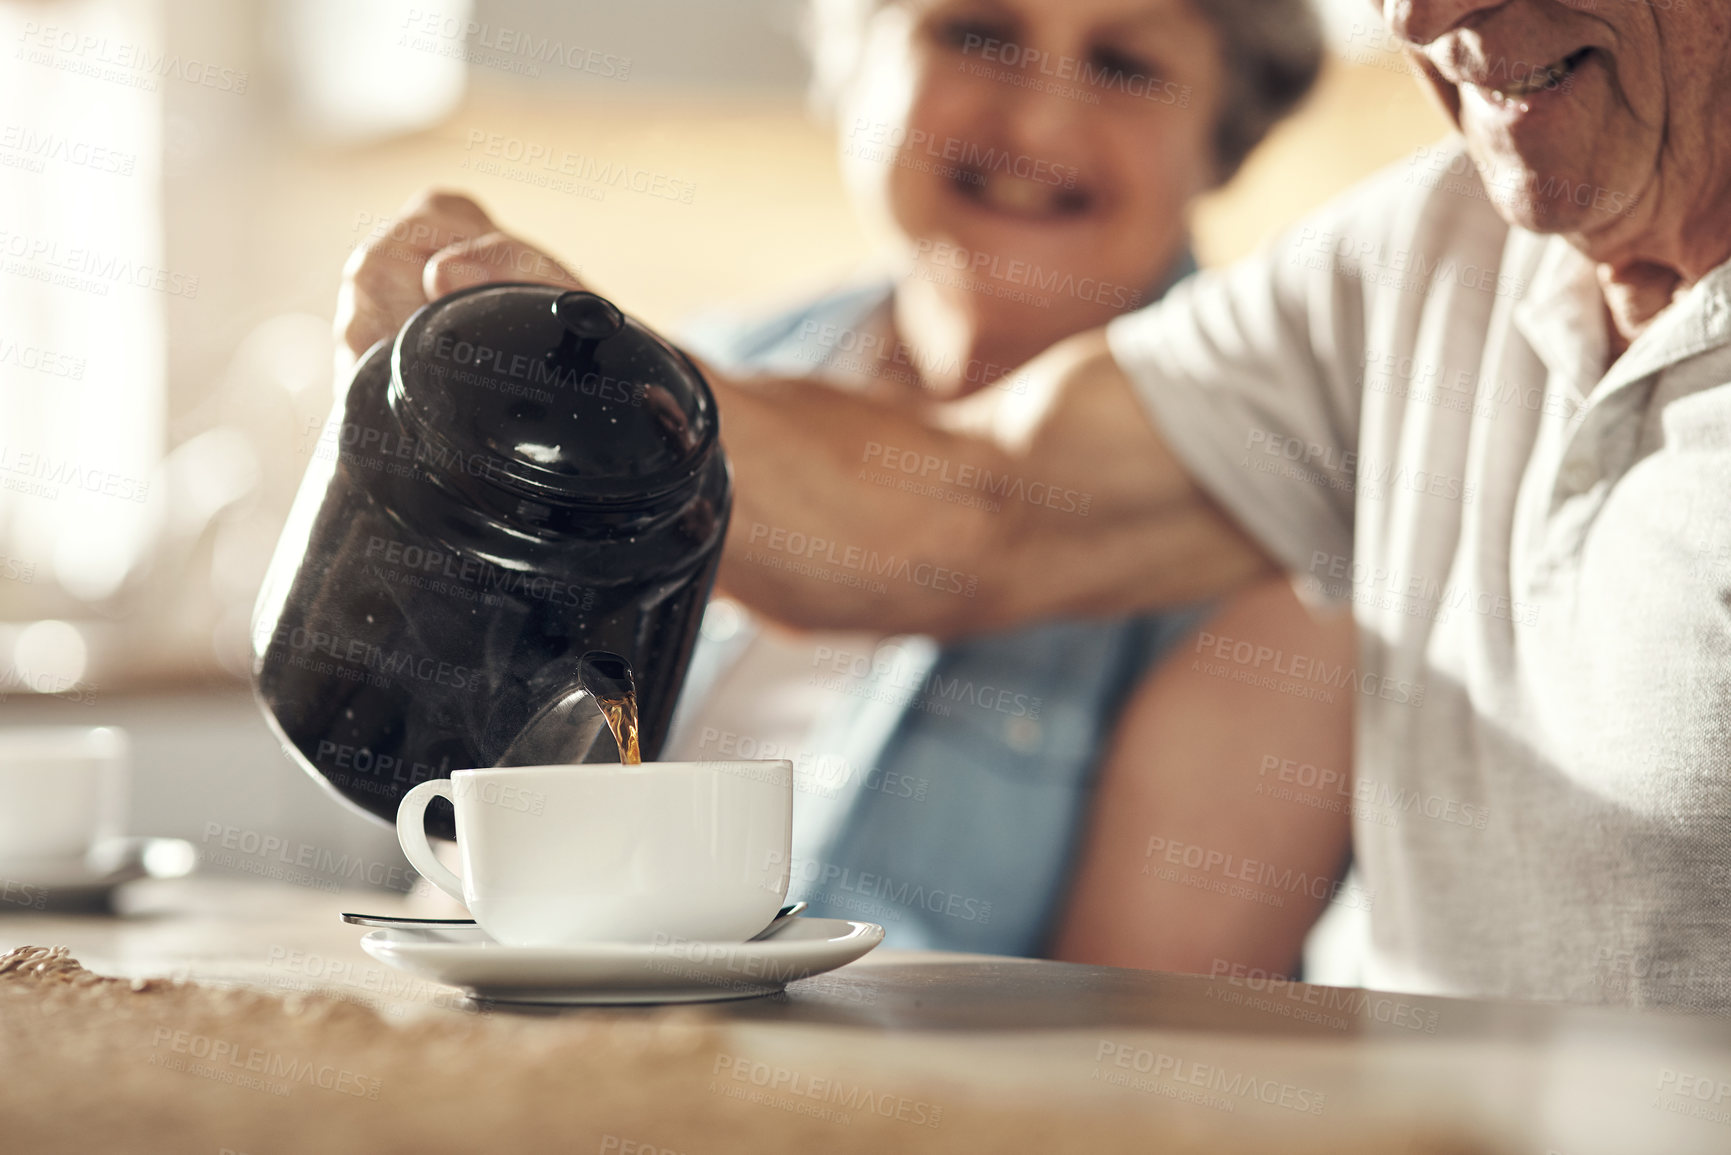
(977, 758)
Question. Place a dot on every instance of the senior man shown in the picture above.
(1483, 398)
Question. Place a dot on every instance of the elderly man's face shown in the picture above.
(1606, 119)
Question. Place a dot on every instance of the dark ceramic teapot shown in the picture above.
(523, 475)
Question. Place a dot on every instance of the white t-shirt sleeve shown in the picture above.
(1252, 374)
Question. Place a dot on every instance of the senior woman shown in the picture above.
(1037, 160)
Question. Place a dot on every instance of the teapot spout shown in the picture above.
(567, 730)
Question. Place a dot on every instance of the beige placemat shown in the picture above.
(94, 1064)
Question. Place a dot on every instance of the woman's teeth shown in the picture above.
(1023, 197)
(1013, 193)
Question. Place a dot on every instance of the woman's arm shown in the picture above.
(1056, 498)
(1222, 820)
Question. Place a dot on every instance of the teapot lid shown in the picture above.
(552, 393)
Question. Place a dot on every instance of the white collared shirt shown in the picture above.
(1405, 401)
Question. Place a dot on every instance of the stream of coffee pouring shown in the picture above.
(607, 677)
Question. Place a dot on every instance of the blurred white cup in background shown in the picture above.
(63, 791)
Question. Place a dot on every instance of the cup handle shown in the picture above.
(412, 836)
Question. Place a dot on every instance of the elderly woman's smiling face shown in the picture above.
(1606, 119)
(1067, 134)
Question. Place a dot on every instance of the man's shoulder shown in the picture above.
(1432, 201)
(1395, 240)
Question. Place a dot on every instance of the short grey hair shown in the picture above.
(1272, 52)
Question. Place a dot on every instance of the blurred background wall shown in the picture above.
(180, 182)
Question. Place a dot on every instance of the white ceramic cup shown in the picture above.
(563, 855)
(63, 791)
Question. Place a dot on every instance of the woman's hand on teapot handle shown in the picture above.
(440, 242)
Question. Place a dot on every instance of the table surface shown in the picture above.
(1506, 1077)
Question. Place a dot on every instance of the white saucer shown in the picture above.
(600, 973)
(91, 878)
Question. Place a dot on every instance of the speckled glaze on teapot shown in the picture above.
(523, 475)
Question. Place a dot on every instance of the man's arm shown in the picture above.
(1058, 497)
